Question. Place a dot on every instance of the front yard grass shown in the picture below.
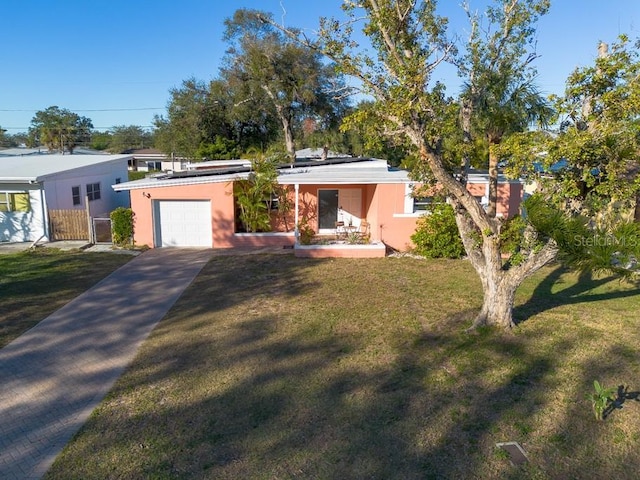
(34, 284)
(274, 367)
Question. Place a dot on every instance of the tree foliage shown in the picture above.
(499, 96)
(59, 129)
(127, 137)
(593, 159)
(291, 77)
(408, 43)
(182, 131)
(254, 195)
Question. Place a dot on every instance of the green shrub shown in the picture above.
(511, 234)
(305, 232)
(122, 226)
(437, 234)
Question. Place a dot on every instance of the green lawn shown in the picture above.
(272, 367)
(34, 284)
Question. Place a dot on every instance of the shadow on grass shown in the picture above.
(578, 445)
(263, 370)
(622, 395)
(545, 298)
(272, 406)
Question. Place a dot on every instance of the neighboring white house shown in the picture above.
(153, 160)
(30, 186)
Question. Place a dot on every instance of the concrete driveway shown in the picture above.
(54, 375)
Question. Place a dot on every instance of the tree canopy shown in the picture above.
(59, 129)
(292, 78)
(409, 42)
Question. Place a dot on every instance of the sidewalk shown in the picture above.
(54, 375)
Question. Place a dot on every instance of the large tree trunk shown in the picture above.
(499, 281)
(499, 293)
(481, 238)
(492, 209)
(281, 110)
(466, 110)
(288, 138)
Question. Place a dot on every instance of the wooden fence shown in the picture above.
(69, 225)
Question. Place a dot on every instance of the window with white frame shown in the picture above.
(416, 204)
(93, 191)
(75, 195)
(421, 204)
(152, 165)
(14, 202)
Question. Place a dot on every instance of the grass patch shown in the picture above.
(36, 283)
(274, 367)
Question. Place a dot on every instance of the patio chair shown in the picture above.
(340, 230)
(363, 231)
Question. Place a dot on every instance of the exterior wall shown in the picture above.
(24, 226)
(394, 225)
(509, 196)
(340, 251)
(220, 195)
(382, 206)
(222, 215)
(516, 195)
(308, 203)
(58, 188)
(387, 207)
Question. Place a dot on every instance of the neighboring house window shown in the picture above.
(93, 191)
(75, 194)
(154, 165)
(14, 202)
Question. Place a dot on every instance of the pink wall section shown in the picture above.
(222, 214)
(509, 197)
(220, 195)
(391, 224)
(383, 206)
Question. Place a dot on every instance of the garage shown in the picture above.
(182, 223)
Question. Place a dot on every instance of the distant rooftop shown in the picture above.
(35, 168)
(22, 151)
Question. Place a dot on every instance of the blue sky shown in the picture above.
(115, 61)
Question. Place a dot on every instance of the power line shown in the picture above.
(91, 110)
(94, 128)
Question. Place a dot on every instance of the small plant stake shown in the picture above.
(600, 399)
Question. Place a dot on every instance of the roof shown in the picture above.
(37, 167)
(22, 151)
(145, 151)
(336, 171)
(373, 171)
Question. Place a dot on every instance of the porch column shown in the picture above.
(296, 231)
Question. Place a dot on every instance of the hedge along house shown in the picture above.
(33, 186)
(197, 208)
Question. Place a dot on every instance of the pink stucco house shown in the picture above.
(197, 208)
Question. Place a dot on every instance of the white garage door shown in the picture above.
(182, 223)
